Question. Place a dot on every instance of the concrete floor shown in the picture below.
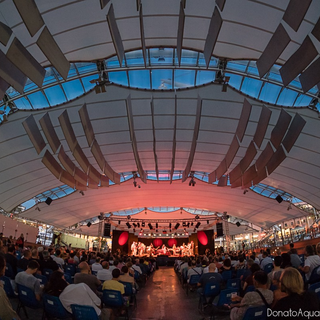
(163, 298)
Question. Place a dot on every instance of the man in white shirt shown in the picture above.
(95, 267)
(194, 270)
(105, 273)
(57, 259)
(136, 267)
(312, 261)
(81, 294)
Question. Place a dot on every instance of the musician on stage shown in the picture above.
(134, 248)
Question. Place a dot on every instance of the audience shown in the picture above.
(86, 277)
(291, 284)
(6, 311)
(254, 298)
(105, 273)
(11, 258)
(27, 279)
(23, 262)
(56, 284)
(265, 260)
(95, 267)
(312, 261)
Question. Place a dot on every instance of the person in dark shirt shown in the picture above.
(297, 299)
(56, 284)
(23, 263)
(11, 259)
(47, 262)
(211, 276)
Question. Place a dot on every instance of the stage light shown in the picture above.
(170, 225)
(197, 217)
(191, 224)
(156, 230)
(135, 225)
(81, 192)
(279, 199)
(150, 226)
(128, 217)
(128, 225)
(48, 201)
(89, 224)
(188, 224)
(156, 225)
(198, 225)
(143, 224)
(138, 224)
(187, 233)
(177, 225)
(140, 234)
(119, 222)
(178, 234)
(207, 221)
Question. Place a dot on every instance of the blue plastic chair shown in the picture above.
(225, 297)
(83, 312)
(315, 288)
(7, 287)
(113, 299)
(193, 281)
(256, 313)
(128, 292)
(68, 278)
(9, 271)
(18, 255)
(47, 272)
(268, 268)
(27, 298)
(315, 276)
(233, 284)
(53, 308)
(211, 290)
(226, 275)
(70, 269)
(250, 288)
(43, 279)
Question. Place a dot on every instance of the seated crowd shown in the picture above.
(75, 276)
(240, 280)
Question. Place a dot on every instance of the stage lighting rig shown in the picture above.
(198, 225)
(150, 226)
(177, 225)
(128, 225)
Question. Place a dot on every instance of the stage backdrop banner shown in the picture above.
(120, 241)
(205, 241)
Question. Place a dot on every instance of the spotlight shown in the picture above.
(150, 226)
(198, 225)
(128, 225)
(188, 224)
(119, 221)
(81, 192)
(156, 225)
(128, 217)
(191, 224)
(197, 217)
(177, 225)
(135, 184)
(192, 182)
(156, 230)
(143, 224)
(207, 221)
(245, 191)
(170, 225)
(89, 224)
(180, 210)
(135, 225)
(138, 224)
(37, 208)
(238, 224)
(48, 201)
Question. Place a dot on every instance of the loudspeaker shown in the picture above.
(219, 229)
(238, 224)
(107, 229)
(48, 201)
(279, 199)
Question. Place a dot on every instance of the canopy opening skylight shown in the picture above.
(162, 72)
